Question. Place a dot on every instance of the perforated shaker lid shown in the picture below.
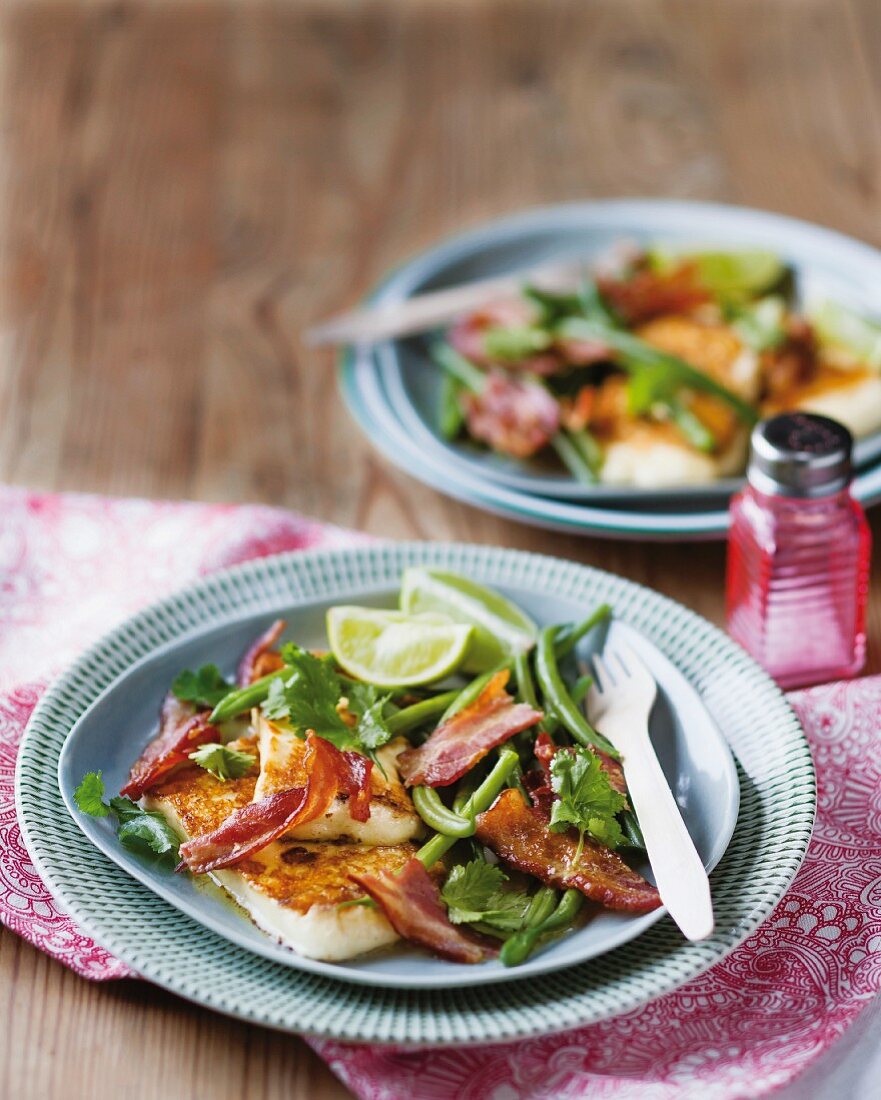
(800, 455)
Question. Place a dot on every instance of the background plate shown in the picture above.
(827, 264)
(113, 732)
(161, 943)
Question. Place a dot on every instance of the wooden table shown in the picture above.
(186, 186)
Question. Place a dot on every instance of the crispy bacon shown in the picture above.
(411, 901)
(251, 828)
(520, 836)
(646, 293)
(181, 730)
(514, 416)
(353, 774)
(258, 660)
(457, 744)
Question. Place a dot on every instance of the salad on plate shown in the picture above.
(652, 372)
(431, 776)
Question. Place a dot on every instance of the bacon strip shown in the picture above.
(520, 836)
(255, 663)
(411, 900)
(181, 730)
(353, 774)
(251, 828)
(457, 744)
(646, 294)
(511, 415)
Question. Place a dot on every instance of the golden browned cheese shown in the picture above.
(822, 380)
(294, 873)
(300, 874)
(392, 819)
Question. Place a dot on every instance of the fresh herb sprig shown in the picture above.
(205, 688)
(142, 831)
(309, 697)
(223, 762)
(586, 800)
(473, 894)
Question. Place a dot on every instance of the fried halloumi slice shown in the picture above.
(654, 454)
(290, 889)
(851, 396)
(392, 820)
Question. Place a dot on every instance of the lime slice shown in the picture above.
(500, 628)
(744, 273)
(841, 328)
(391, 649)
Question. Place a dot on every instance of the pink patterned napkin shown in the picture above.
(72, 566)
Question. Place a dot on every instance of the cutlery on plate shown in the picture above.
(619, 704)
(438, 307)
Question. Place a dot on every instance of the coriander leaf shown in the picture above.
(473, 892)
(309, 698)
(89, 795)
(222, 761)
(275, 705)
(586, 799)
(517, 342)
(368, 705)
(205, 688)
(148, 833)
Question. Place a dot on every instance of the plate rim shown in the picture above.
(415, 1016)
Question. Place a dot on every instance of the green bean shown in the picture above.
(471, 691)
(588, 448)
(516, 950)
(632, 831)
(525, 685)
(452, 416)
(543, 903)
(580, 689)
(457, 365)
(558, 699)
(438, 816)
(572, 458)
(242, 699)
(692, 427)
(568, 637)
(481, 800)
(411, 717)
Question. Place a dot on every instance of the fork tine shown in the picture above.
(633, 667)
(604, 680)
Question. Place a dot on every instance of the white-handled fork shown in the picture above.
(619, 704)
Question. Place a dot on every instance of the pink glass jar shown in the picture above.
(798, 554)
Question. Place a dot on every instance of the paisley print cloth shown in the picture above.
(747, 1027)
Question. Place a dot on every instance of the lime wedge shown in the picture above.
(391, 649)
(500, 628)
(740, 273)
(841, 328)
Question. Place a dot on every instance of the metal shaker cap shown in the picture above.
(800, 455)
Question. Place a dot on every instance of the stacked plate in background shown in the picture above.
(393, 390)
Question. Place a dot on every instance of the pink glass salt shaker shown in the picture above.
(798, 553)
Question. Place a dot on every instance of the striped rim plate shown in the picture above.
(776, 775)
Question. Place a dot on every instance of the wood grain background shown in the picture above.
(185, 186)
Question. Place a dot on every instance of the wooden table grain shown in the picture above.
(186, 186)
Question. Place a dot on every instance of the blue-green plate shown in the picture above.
(826, 265)
(181, 953)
